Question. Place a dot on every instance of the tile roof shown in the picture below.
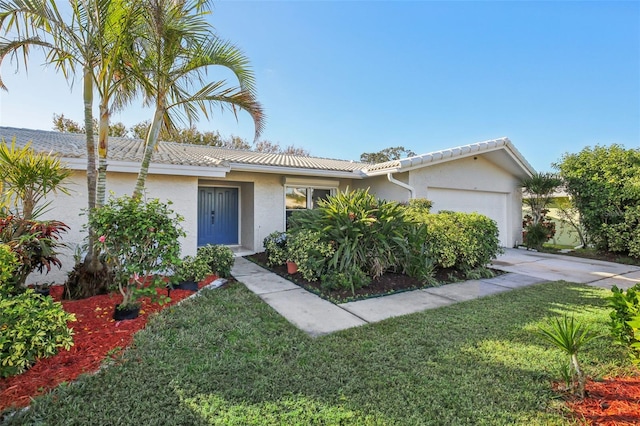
(70, 145)
(404, 164)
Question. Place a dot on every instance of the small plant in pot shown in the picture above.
(190, 272)
(139, 241)
(219, 258)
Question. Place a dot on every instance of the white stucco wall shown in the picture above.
(181, 190)
(465, 185)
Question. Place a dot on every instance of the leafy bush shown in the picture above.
(275, 246)
(461, 240)
(535, 234)
(350, 280)
(625, 319)
(8, 263)
(603, 183)
(140, 243)
(219, 258)
(308, 250)
(193, 268)
(625, 236)
(31, 327)
(367, 234)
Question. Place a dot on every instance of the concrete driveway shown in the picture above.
(553, 267)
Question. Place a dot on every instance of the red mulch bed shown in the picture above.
(96, 336)
(612, 402)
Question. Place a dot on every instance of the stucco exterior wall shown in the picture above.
(180, 190)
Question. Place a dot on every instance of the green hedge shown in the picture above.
(31, 327)
(461, 240)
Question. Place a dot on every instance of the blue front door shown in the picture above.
(217, 216)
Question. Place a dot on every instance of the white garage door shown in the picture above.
(491, 204)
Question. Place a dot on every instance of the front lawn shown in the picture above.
(228, 358)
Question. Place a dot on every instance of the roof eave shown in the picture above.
(258, 168)
(154, 168)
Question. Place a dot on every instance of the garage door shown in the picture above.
(491, 204)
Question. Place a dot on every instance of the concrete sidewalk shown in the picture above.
(317, 316)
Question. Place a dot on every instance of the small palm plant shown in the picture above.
(569, 336)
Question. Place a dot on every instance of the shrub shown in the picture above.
(31, 327)
(219, 258)
(461, 240)
(35, 244)
(535, 234)
(603, 183)
(308, 250)
(275, 246)
(193, 268)
(350, 280)
(625, 319)
(367, 233)
(8, 263)
(140, 243)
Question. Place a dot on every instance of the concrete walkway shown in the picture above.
(317, 316)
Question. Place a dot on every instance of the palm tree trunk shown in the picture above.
(152, 141)
(91, 154)
(103, 142)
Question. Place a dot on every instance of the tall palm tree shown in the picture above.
(177, 46)
(87, 41)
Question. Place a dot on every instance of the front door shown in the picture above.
(217, 216)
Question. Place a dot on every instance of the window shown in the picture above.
(297, 198)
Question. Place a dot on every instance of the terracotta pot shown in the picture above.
(292, 267)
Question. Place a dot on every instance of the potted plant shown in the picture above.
(275, 247)
(139, 242)
(308, 254)
(42, 289)
(219, 258)
(190, 272)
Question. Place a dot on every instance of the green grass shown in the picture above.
(227, 358)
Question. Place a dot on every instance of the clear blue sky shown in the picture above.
(342, 78)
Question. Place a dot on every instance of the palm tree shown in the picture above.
(177, 46)
(538, 190)
(89, 41)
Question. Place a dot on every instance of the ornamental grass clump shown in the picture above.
(140, 242)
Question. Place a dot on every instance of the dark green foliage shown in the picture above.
(140, 240)
(625, 317)
(219, 258)
(349, 280)
(310, 252)
(367, 233)
(192, 268)
(604, 183)
(461, 240)
(31, 327)
(387, 154)
(536, 234)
